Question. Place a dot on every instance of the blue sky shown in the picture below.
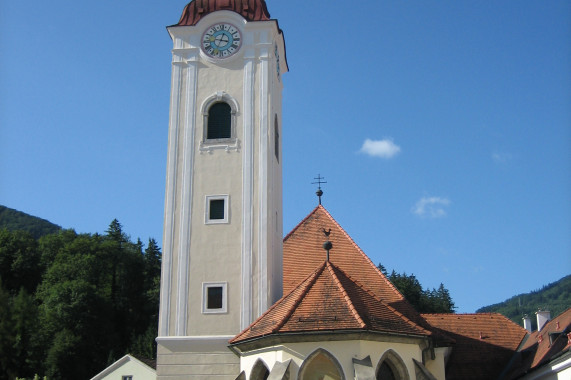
(442, 128)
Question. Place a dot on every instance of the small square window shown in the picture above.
(216, 209)
(126, 377)
(213, 297)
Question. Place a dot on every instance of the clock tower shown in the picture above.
(222, 239)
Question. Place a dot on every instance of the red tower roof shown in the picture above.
(251, 10)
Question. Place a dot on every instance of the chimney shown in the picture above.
(527, 323)
(543, 316)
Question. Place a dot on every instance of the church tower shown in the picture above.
(222, 239)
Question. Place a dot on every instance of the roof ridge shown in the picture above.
(466, 314)
(300, 223)
(310, 282)
(379, 299)
(360, 251)
(350, 304)
(495, 314)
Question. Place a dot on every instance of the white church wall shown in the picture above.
(343, 351)
(438, 366)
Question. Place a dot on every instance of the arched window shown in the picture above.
(391, 367)
(320, 365)
(259, 371)
(276, 138)
(219, 121)
(385, 372)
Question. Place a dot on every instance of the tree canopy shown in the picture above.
(71, 303)
(423, 300)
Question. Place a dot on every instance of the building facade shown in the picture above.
(222, 238)
(237, 300)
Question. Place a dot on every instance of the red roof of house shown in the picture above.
(328, 299)
(251, 10)
(346, 292)
(485, 343)
(544, 345)
(303, 252)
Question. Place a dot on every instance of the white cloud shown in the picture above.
(501, 158)
(432, 207)
(385, 148)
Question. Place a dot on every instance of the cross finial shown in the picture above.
(319, 181)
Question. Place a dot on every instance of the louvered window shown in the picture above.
(219, 121)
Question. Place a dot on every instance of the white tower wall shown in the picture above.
(242, 254)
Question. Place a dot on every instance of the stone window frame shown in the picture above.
(210, 198)
(205, 287)
(395, 362)
(226, 144)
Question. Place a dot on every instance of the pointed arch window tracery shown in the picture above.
(321, 365)
(391, 367)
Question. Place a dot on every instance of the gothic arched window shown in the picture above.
(219, 121)
(260, 371)
(391, 367)
(385, 372)
(321, 365)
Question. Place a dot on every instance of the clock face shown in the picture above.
(221, 40)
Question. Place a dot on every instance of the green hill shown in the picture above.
(555, 297)
(14, 220)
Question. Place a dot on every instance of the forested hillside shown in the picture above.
(14, 220)
(71, 304)
(555, 297)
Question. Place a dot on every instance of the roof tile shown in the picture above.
(543, 345)
(303, 252)
(488, 338)
(328, 299)
(251, 10)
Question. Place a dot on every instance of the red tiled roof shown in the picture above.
(485, 343)
(328, 299)
(540, 348)
(251, 10)
(303, 252)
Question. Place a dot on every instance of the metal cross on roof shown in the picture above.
(320, 181)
